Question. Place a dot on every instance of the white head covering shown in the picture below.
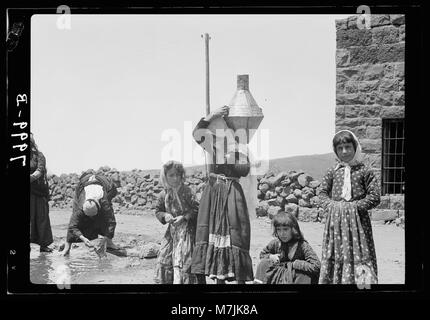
(93, 192)
(346, 189)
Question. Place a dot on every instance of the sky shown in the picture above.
(126, 90)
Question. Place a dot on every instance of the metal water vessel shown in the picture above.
(244, 112)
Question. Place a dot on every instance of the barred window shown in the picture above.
(393, 156)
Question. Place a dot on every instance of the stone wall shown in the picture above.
(137, 190)
(293, 191)
(370, 81)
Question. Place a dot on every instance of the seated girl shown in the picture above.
(287, 259)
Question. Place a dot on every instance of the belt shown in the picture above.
(221, 177)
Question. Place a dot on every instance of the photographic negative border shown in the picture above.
(18, 104)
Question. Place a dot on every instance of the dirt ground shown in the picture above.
(133, 231)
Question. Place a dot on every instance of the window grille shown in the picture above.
(393, 156)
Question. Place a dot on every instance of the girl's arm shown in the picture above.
(193, 209)
(202, 135)
(160, 209)
(311, 264)
(373, 194)
(73, 232)
(269, 249)
(41, 167)
(325, 189)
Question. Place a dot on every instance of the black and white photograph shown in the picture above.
(213, 150)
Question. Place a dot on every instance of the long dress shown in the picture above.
(223, 227)
(104, 223)
(348, 250)
(40, 225)
(174, 258)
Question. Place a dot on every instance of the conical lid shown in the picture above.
(244, 113)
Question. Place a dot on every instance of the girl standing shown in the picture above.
(348, 191)
(176, 207)
(289, 258)
(40, 225)
(223, 227)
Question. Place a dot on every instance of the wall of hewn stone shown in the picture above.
(370, 81)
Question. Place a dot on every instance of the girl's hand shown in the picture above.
(220, 112)
(168, 218)
(274, 258)
(88, 243)
(177, 220)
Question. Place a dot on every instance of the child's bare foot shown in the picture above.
(112, 245)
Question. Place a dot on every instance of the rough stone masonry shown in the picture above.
(370, 86)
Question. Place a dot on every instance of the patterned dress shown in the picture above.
(348, 255)
(174, 259)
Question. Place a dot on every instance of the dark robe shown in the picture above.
(223, 227)
(40, 225)
(104, 222)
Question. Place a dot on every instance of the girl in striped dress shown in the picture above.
(176, 207)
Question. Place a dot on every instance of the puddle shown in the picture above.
(50, 268)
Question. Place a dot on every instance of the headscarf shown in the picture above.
(172, 201)
(346, 189)
(93, 194)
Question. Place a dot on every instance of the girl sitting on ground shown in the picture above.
(178, 208)
(287, 259)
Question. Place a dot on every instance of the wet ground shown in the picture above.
(133, 231)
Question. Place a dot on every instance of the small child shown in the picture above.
(177, 207)
(347, 192)
(288, 259)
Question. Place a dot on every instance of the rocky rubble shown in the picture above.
(137, 190)
(295, 192)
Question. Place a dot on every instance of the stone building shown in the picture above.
(370, 99)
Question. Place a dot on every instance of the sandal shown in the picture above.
(45, 249)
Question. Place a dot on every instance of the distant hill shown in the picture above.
(315, 165)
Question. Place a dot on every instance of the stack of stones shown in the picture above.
(137, 190)
(294, 192)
